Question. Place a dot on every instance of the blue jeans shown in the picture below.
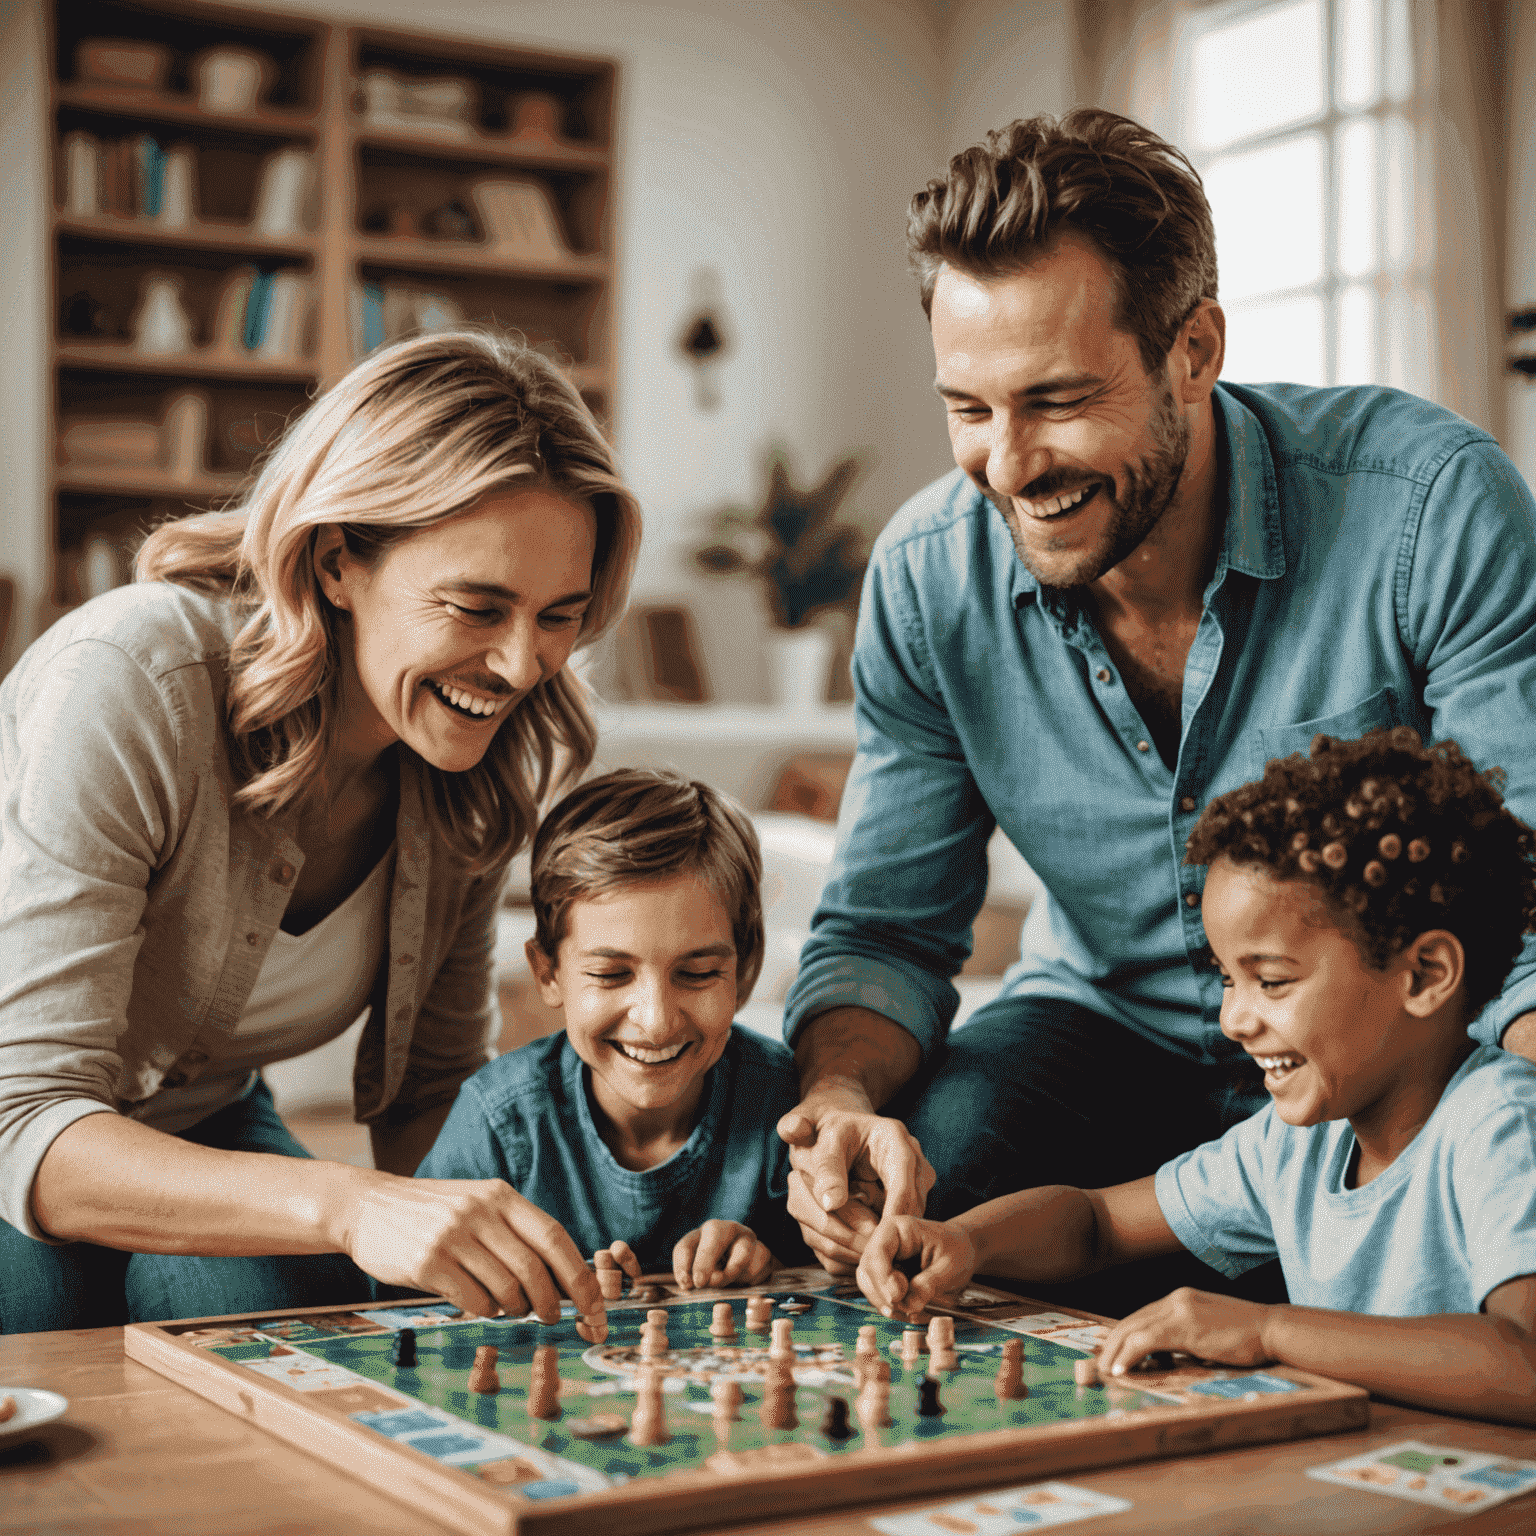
(1036, 1091)
(44, 1286)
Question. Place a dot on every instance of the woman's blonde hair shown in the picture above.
(416, 433)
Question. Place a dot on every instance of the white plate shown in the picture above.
(34, 1408)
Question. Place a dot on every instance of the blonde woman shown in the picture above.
(272, 783)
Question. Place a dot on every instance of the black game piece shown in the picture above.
(835, 1425)
(928, 1404)
(402, 1352)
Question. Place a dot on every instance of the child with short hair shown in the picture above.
(1363, 905)
(646, 1127)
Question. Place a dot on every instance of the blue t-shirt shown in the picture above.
(527, 1118)
(1450, 1220)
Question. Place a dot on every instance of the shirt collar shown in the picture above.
(1252, 542)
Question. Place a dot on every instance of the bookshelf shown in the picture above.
(246, 203)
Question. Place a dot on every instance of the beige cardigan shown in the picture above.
(137, 903)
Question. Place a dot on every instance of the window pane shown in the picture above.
(1357, 337)
(1399, 51)
(1275, 341)
(1357, 196)
(1268, 208)
(1359, 49)
(1412, 363)
(1397, 185)
(1258, 73)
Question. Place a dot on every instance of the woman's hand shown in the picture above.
(475, 1241)
(1193, 1322)
(720, 1253)
(945, 1254)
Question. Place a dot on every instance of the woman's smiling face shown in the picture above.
(453, 625)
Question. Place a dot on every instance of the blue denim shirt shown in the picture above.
(1378, 567)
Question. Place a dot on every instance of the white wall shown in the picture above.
(1004, 59)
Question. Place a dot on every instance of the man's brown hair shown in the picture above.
(1132, 193)
(636, 825)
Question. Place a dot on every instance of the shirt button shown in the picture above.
(1143, 746)
(1103, 674)
(1187, 803)
(1191, 900)
(253, 937)
(282, 873)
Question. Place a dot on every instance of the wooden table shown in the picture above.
(137, 1455)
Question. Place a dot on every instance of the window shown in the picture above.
(1302, 117)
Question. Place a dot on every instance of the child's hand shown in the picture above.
(945, 1253)
(720, 1253)
(1195, 1322)
(624, 1257)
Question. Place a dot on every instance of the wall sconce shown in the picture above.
(703, 339)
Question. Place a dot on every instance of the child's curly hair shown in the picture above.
(1399, 837)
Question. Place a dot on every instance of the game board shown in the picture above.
(325, 1382)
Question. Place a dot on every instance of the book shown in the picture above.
(256, 306)
(287, 313)
(82, 174)
(229, 310)
(184, 435)
(519, 219)
(286, 178)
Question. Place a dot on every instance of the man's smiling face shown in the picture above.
(1051, 412)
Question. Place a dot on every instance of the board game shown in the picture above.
(710, 1405)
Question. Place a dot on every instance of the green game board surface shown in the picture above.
(825, 1337)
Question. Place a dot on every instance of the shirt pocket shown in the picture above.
(1385, 708)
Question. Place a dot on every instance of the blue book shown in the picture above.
(373, 316)
(154, 176)
(257, 307)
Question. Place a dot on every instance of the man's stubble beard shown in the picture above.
(1149, 491)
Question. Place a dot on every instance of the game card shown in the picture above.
(1033, 1507)
(1433, 1474)
(1058, 1328)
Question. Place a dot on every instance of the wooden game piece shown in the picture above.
(779, 1372)
(911, 1346)
(723, 1321)
(593, 1327)
(610, 1278)
(596, 1426)
(834, 1424)
(873, 1406)
(1013, 1349)
(778, 1409)
(7, 1408)
(759, 1313)
(402, 1350)
(875, 1368)
(648, 1426)
(928, 1404)
(544, 1383)
(783, 1337)
(941, 1334)
(727, 1397)
(1086, 1372)
(868, 1346)
(646, 1293)
(944, 1360)
(653, 1337)
(482, 1375)
(1010, 1378)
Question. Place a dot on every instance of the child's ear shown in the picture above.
(1437, 965)
(543, 968)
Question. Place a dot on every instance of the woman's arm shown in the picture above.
(1481, 1364)
(109, 1180)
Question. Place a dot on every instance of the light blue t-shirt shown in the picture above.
(1450, 1220)
(527, 1118)
(1377, 568)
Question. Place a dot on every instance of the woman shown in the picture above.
(274, 782)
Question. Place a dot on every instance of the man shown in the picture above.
(1138, 587)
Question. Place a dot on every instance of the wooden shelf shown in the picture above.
(156, 107)
(473, 257)
(121, 357)
(483, 149)
(237, 239)
(593, 376)
(141, 480)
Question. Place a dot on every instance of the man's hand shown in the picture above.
(1194, 1322)
(720, 1253)
(848, 1169)
(476, 1241)
(946, 1255)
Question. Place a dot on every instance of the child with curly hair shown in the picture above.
(1363, 905)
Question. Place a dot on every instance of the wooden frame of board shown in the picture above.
(797, 1484)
